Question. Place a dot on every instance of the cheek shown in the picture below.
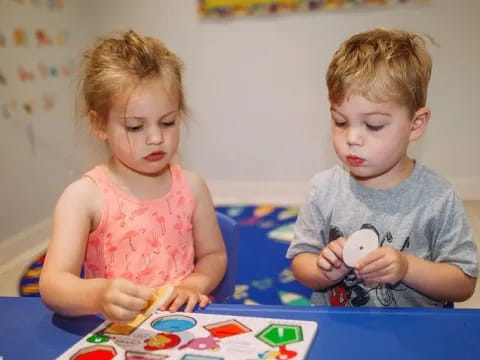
(175, 138)
(127, 143)
(337, 140)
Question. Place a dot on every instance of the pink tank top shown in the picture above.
(148, 241)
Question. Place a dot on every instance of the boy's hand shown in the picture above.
(183, 295)
(384, 265)
(122, 300)
(331, 262)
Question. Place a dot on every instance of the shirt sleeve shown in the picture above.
(309, 233)
(454, 241)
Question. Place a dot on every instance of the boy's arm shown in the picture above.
(440, 281)
(449, 274)
(454, 256)
(436, 280)
(210, 253)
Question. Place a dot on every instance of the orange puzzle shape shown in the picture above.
(227, 328)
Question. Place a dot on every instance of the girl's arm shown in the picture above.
(210, 253)
(61, 288)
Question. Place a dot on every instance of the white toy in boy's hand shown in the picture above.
(359, 244)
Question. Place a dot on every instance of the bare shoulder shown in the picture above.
(196, 182)
(83, 195)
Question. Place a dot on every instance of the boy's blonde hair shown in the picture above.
(381, 65)
(115, 66)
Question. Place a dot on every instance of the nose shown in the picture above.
(354, 136)
(154, 136)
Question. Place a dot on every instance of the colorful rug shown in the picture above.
(264, 275)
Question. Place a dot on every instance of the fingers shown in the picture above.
(187, 297)
(122, 300)
(119, 314)
(332, 254)
(384, 265)
(190, 304)
(323, 264)
(370, 258)
(135, 290)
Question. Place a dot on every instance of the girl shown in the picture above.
(136, 221)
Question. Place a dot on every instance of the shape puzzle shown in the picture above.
(197, 336)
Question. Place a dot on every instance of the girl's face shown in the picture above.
(371, 139)
(144, 135)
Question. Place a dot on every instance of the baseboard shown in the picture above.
(275, 193)
(294, 193)
(24, 246)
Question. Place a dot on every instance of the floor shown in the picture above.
(10, 275)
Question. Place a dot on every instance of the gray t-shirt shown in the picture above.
(422, 216)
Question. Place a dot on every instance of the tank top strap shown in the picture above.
(97, 175)
(178, 180)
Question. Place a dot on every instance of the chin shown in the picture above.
(361, 173)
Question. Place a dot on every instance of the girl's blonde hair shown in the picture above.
(116, 65)
(381, 65)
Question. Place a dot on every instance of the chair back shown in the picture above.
(226, 288)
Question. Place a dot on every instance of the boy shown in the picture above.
(377, 82)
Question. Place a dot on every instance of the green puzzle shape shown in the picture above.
(279, 335)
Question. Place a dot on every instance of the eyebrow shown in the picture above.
(367, 114)
(143, 118)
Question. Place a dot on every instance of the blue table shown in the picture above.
(28, 330)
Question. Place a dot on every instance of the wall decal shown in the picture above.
(232, 8)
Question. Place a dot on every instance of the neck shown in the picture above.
(139, 184)
(390, 178)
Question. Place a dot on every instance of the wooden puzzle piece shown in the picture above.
(159, 296)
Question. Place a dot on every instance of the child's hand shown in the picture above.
(331, 262)
(122, 300)
(183, 295)
(384, 265)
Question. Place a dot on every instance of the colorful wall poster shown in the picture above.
(232, 8)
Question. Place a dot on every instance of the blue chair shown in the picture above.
(226, 288)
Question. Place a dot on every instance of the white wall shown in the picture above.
(256, 89)
(259, 124)
(38, 155)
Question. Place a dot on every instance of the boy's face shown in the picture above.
(371, 139)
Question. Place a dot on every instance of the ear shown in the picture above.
(419, 123)
(98, 127)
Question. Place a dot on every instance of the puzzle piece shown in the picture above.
(160, 295)
(359, 244)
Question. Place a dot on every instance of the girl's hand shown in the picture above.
(384, 265)
(331, 262)
(183, 295)
(122, 300)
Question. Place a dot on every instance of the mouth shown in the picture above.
(355, 160)
(155, 156)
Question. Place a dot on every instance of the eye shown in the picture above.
(340, 124)
(167, 123)
(375, 127)
(134, 128)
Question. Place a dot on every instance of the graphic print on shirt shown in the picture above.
(352, 291)
(147, 241)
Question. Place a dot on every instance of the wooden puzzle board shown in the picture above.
(196, 336)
